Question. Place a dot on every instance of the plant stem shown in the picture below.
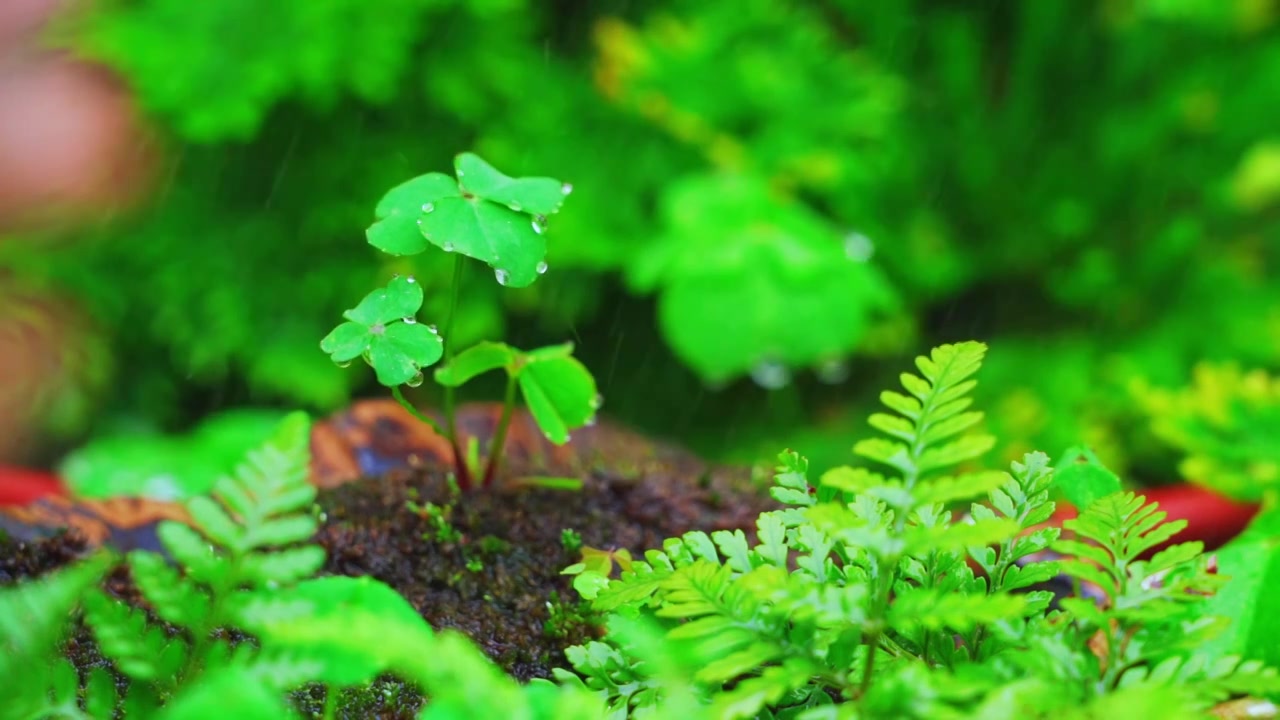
(451, 425)
(330, 702)
(500, 434)
(400, 398)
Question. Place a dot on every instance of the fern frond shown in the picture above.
(33, 615)
(244, 529)
(935, 411)
(139, 648)
(934, 609)
(1124, 525)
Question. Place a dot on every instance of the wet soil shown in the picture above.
(486, 562)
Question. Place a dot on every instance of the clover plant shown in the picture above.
(498, 220)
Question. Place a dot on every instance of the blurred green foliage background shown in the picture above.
(776, 204)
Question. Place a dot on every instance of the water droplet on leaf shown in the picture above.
(433, 329)
(833, 371)
(428, 207)
(591, 421)
(502, 276)
(343, 364)
(515, 206)
(447, 247)
(409, 321)
(416, 380)
(597, 401)
(566, 188)
(411, 279)
(377, 329)
(771, 375)
(541, 268)
(858, 247)
(536, 226)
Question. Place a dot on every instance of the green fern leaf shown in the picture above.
(32, 613)
(124, 635)
(936, 413)
(174, 598)
(252, 516)
(100, 695)
(947, 490)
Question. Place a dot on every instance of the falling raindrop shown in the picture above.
(428, 207)
(771, 375)
(566, 188)
(833, 371)
(858, 247)
(502, 276)
(409, 321)
(542, 267)
(416, 380)
(447, 247)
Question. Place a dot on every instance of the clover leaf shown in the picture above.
(486, 215)
(398, 231)
(557, 388)
(736, 249)
(382, 329)
(538, 195)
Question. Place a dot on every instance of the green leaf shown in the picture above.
(400, 298)
(559, 391)
(232, 691)
(383, 330)
(1252, 563)
(33, 614)
(539, 195)
(100, 696)
(733, 248)
(398, 229)
(495, 219)
(309, 618)
(174, 598)
(509, 242)
(166, 466)
(1081, 478)
(476, 360)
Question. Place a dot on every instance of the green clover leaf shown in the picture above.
(557, 388)
(398, 231)
(486, 215)
(382, 329)
(537, 195)
(748, 280)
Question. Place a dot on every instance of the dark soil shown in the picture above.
(485, 562)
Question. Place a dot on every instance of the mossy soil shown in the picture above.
(485, 562)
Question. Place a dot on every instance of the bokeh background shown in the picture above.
(776, 206)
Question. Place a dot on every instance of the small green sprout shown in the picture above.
(498, 220)
(571, 540)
